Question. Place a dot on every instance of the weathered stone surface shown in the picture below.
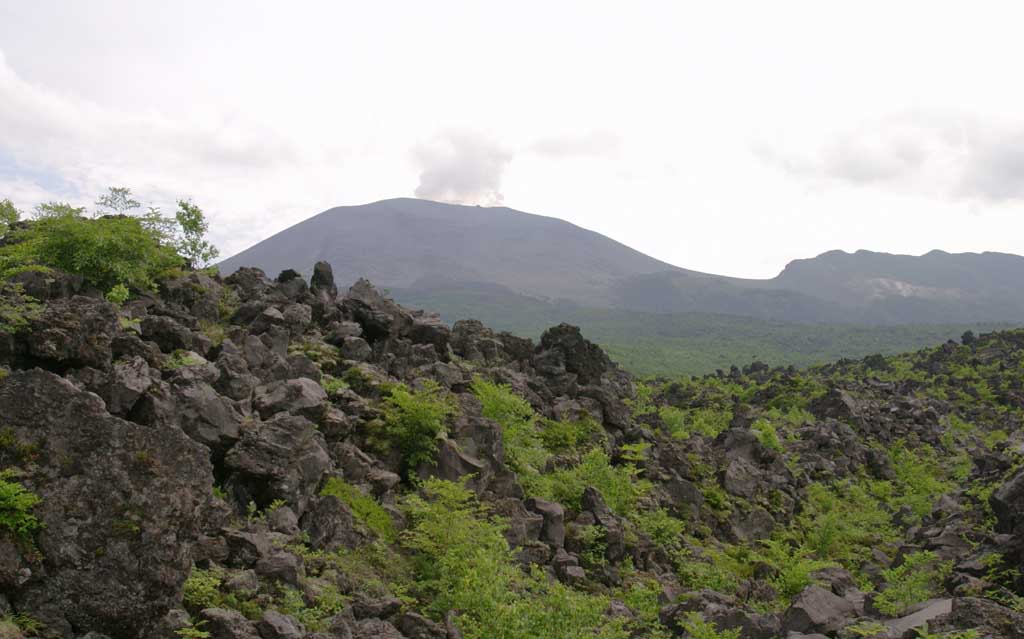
(817, 610)
(121, 504)
(72, 333)
(283, 458)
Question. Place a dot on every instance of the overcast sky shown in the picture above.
(723, 137)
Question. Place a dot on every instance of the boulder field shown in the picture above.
(220, 459)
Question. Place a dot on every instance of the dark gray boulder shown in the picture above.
(283, 458)
(121, 504)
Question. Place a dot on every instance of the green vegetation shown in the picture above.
(17, 625)
(672, 344)
(696, 628)
(8, 216)
(414, 420)
(179, 359)
(16, 308)
(530, 442)
(16, 504)
(917, 579)
(365, 508)
(118, 295)
(463, 562)
(122, 248)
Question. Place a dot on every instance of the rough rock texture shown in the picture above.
(121, 504)
(234, 429)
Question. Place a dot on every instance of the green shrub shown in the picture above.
(792, 566)
(16, 308)
(842, 523)
(414, 420)
(333, 384)
(619, 485)
(16, 504)
(920, 480)
(660, 526)
(682, 424)
(365, 508)
(463, 563)
(500, 403)
(696, 628)
(118, 294)
(643, 597)
(561, 436)
(917, 579)
(106, 251)
(202, 589)
(8, 215)
(18, 625)
(524, 451)
(766, 433)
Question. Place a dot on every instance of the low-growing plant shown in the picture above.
(333, 385)
(916, 579)
(464, 563)
(118, 294)
(696, 628)
(364, 508)
(619, 485)
(180, 358)
(660, 526)
(414, 420)
(767, 434)
(16, 504)
(16, 308)
(15, 625)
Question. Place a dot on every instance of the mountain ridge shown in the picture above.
(406, 243)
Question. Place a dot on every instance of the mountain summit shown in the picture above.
(417, 247)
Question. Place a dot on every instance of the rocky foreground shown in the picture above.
(255, 458)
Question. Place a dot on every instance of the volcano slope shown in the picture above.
(247, 458)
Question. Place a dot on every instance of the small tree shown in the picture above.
(191, 244)
(119, 200)
(8, 215)
(56, 209)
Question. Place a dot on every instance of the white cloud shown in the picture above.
(593, 144)
(938, 154)
(461, 167)
(227, 164)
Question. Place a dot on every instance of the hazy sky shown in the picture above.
(723, 137)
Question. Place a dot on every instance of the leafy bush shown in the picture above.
(333, 384)
(8, 215)
(843, 523)
(202, 589)
(561, 436)
(118, 294)
(18, 625)
(660, 526)
(793, 566)
(683, 424)
(696, 628)
(414, 420)
(767, 434)
(16, 505)
(464, 563)
(16, 308)
(365, 508)
(917, 579)
(123, 247)
(524, 450)
(105, 251)
(619, 486)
